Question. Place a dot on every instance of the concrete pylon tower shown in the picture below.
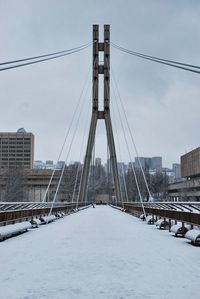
(100, 69)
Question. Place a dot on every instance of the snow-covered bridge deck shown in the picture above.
(98, 253)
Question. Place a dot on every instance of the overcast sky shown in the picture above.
(162, 103)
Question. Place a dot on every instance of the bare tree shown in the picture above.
(71, 177)
(159, 183)
(14, 184)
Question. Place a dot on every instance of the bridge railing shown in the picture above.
(19, 211)
(188, 212)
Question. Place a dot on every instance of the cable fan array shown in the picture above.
(76, 116)
(71, 134)
(119, 119)
(172, 63)
(41, 58)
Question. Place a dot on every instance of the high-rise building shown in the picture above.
(16, 149)
(176, 167)
(153, 163)
(156, 163)
(145, 163)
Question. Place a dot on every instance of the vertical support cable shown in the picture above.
(120, 156)
(132, 139)
(81, 151)
(132, 166)
(69, 150)
(68, 131)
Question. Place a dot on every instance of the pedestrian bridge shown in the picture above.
(98, 253)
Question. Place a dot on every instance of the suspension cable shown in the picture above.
(108, 170)
(172, 63)
(81, 152)
(95, 88)
(93, 166)
(67, 156)
(108, 92)
(44, 59)
(131, 135)
(86, 83)
(120, 156)
(87, 191)
(44, 55)
(68, 131)
(157, 58)
(75, 183)
(132, 166)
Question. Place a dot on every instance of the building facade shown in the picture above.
(190, 164)
(156, 163)
(189, 188)
(16, 149)
(176, 168)
(149, 163)
(31, 185)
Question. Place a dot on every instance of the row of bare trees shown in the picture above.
(102, 182)
(13, 184)
(157, 183)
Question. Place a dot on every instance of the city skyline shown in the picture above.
(76, 159)
(153, 162)
(98, 161)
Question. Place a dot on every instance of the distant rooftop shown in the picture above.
(21, 130)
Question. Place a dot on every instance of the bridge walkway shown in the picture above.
(98, 253)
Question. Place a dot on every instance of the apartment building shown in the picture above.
(16, 149)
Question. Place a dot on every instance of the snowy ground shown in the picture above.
(98, 253)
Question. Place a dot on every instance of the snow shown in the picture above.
(36, 222)
(159, 222)
(142, 217)
(118, 208)
(193, 235)
(149, 219)
(47, 219)
(99, 253)
(177, 228)
(13, 229)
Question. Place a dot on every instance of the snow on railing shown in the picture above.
(162, 223)
(193, 235)
(14, 229)
(193, 207)
(149, 219)
(47, 219)
(36, 222)
(15, 206)
(179, 229)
